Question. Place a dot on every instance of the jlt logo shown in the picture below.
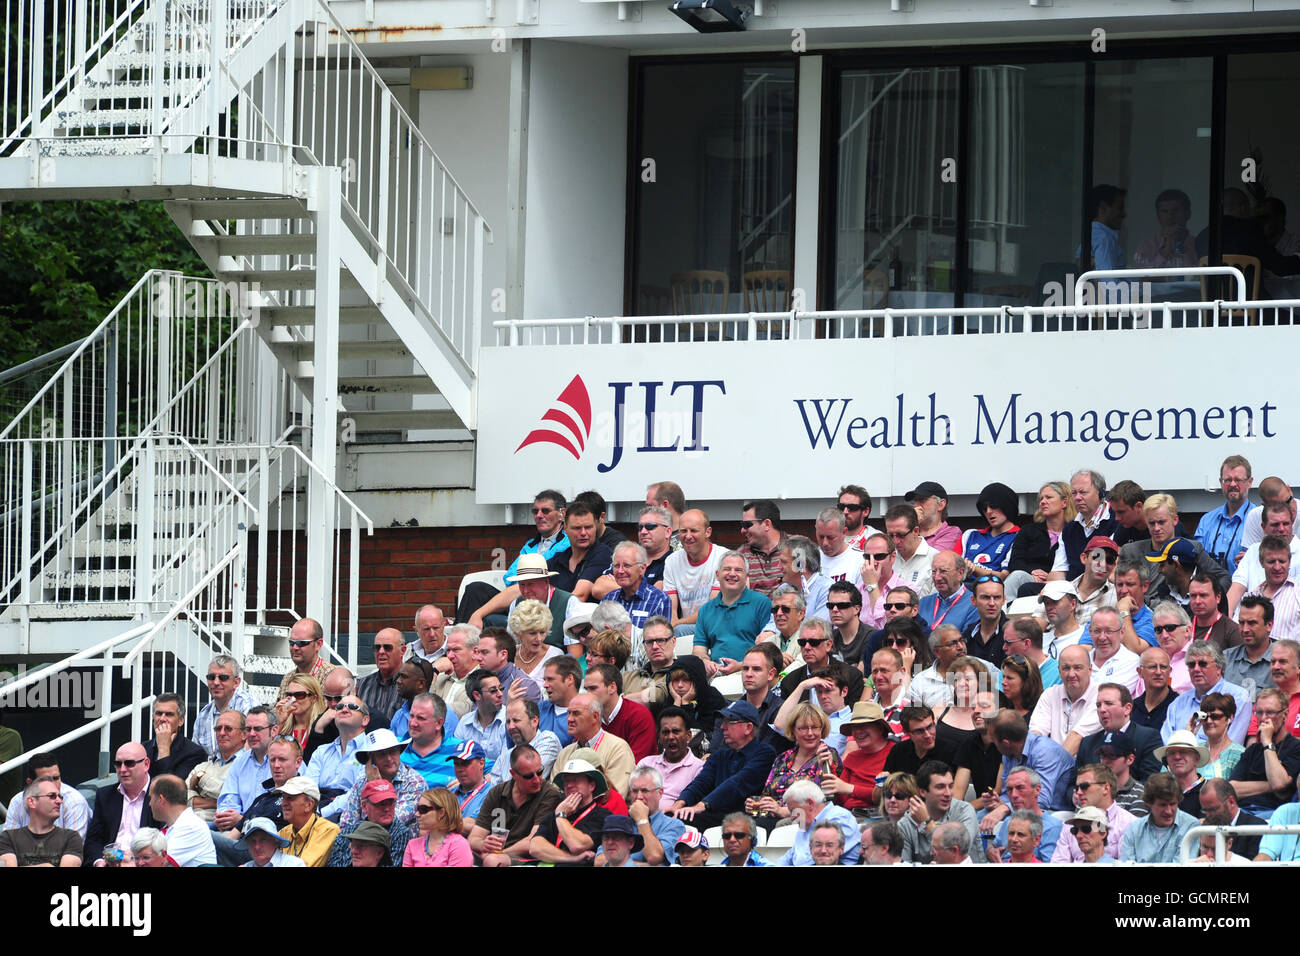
(568, 422)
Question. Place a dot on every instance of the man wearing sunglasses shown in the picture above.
(548, 518)
(855, 503)
(815, 644)
(379, 690)
(654, 534)
(225, 690)
(760, 523)
(332, 766)
(120, 810)
(378, 806)
(1205, 668)
(1094, 586)
(513, 811)
(306, 638)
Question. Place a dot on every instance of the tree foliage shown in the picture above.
(65, 265)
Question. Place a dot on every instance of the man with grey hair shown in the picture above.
(740, 840)
(728, 624)
(586, 728)
(225, 690)
(815, 643)
(826, 844)
(950, 844)
(1024, 789)
(149, 848)
(808, 807)
(635, 594)
(654, 534)
(782, 629)
(1088, 491)
(170, 751)
(1205, 668)
(462, 640)
(430, 643)
(801, 573)
(839, 562)
(42, 842)
(661, 832)
(648, 684)
(931, 687)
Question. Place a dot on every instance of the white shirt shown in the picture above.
(1056, 716)
(279, 859)
(1250, 573)
(1053, 644)
(916, 569)
(694, 584)
(1121, 668)
(845, 566)
(189, 841)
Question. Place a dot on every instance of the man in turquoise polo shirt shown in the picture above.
(430, 751)
(727, 625)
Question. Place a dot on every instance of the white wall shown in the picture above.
(470, 130)
(577, 181)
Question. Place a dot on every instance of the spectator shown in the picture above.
(1093, 585)
(1126, 500)
(1279, 521)
(647, 685)
(932, 808)
(984, 636)
(1279, 587)
(379, 690)
(739, 840)
(728, 624)
(854, 788)
(1205, 665)
(1024, 834)
(848, 633)
(41, 841)
(1265, 776)
(587, 556)
(658, 832)
(676, 765)
(1092, 519)
(1224, 754)
(378, 808)
(265, 846)
(1024, 636)
(839, 561)
(515, 809)
(826, 844)
(206, 780)
(690, 575)
(530, 623)
(1091, 832)
(1020, 748)
(225, 690)
(1095, 786)
(1111, 660)
(74, 813)
(369, 846)
(120, 811)
(1132, 578)
(1172, 245)
(760, 523)
(635, 593)
(532, 580)
(189, 841)
(430, 633)
(1204, 601)
(311, 837)
(385, 753)
(1218, 796)
(1115, 713)
(298, 708)
(1157, 837)
(912, 553)
(1106, 208)
(585, 728)
(485, 724)
(561, 683)
(439, 842)
(882, 844)
(988, 551)
(806, 803)
(549, 540)
(1182, 756)
(571, 835)
(814, 643)
(415, 677)
(810, 759)
(306, 638)
(1173, 630)
(1068, 712)
(1116, 752)
(1220, 530)
(472, 784)
(429, 751)
(284, 758)
(496, 653)
(921, 745)
(1249, 662)
(524, 727)
(625, 719)
(1060, 602)
(1022, 682)
(170, 751)
(1024, 793)
(1037, 555)
(950, 601)
(730, 774)
(149, 848)
(654, 531)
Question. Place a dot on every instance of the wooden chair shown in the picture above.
(700, 292)
(1225, 287)
(652, 300)
(767, 290)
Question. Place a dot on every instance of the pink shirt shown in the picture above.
(944, 538)
(677, 776)
(1179, 679)
(454, 851)
(873, 614)
(132, 810)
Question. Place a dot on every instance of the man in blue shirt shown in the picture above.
(1205, 668)
(1020, 748)
(731, 774)
(728, 624)
(637, 596)
(1106, 203)
(1220, 530)
(243, 783)
(951, 602)
(430, 752)
(809, 808)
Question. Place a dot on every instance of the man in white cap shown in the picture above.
(572, 835)
(266, 846)
(382, 751)
(1060, 601)
(1089, 828)
(531, 580)
(1183, 754)
(310, 836)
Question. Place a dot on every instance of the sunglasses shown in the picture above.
(297, 694)
(257, 730)
(1167, 628)
(355, 707)
(334, 698)
(1199, 665)
(580, 630)
(814, 641)
(301, 643)
(897, 605)
(424, 808)
(899, 535)
(219, 677)
(877, 556)
(781, 609)
(840, 605)
(742, 835)
(988, 579)
(526, 776)
(1016, 659)
(847, 507)
(660, 640)
(543, 511)
(746, 525)
(386, 648)
(1083, 787)
(896, 795)
(649, 526)
(1217, 715)
(1084, 828)
(896, 641)
(127, 763)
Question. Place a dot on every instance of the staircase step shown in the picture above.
(386, 385)
(96, 146)
(403, 420)
(263, 245)
(283, 279)
(95, 87)
(306, 315)
(84, 611)
(123, 57)
(301, 352)
(250, 208)
(76, 117)
(104, 578)
(129, 515)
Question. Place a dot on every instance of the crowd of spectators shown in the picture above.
(1081, 686)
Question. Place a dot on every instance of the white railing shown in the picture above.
(1193, 836)
(1119, 315)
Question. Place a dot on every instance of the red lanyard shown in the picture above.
(559, 838)
(466, 801)
(939, 620)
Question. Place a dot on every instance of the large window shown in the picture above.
(713, 228)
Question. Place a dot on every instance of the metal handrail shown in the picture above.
(181, 605)
(370, 525)
(1252, 829)
(31, 677)
(1106, 274)
(77, 734)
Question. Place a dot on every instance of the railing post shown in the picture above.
(476, 335)
(216, 54)
(136, 683)
(81, 42)
(354, 592)
(25, 544)
(36, 47)
(144, 527)
(383, 157)
(105, 708)
(157, 84)
(263, 535)
(239, 596)
(162, 305)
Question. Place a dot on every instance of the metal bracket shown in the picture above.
(527, 12)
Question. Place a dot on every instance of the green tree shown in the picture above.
(67, 264)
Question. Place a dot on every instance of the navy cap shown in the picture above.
(470, 750)
(1179, 549)
(926, 489)
(741, 710)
